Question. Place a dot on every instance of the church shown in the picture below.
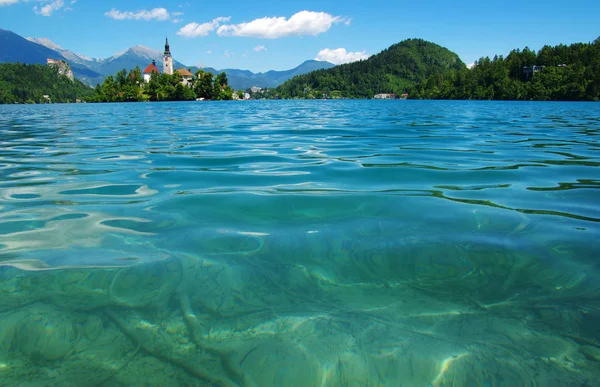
(167, 64)
(186, 76)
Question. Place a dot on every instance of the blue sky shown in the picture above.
(264, 35)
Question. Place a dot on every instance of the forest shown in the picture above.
(425, 70)
(21, 83)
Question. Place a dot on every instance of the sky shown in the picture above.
(278, 35)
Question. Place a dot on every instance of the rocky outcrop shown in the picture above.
(62, 66)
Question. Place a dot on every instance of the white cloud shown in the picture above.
(301, 23)
(46, 8)
(208, 52)
(228, 53)
(340, 56)
(159, 14)
(193, 30)
(470, 66)
(260, 48)
(8, 2)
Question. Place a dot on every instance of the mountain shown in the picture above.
(14, 48)
(397, 69)
(244, 79)
(68, 54)
(142, 56)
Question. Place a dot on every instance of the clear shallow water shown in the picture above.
(282, 243)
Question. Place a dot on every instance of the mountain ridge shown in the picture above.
(72, 56)
(92, 71)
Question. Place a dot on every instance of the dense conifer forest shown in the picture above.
(427, 71)
(20, 83)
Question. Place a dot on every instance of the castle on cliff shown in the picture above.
(62, 66)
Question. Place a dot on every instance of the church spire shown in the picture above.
(167, 48)
(167, 59)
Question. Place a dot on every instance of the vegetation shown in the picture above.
(21, 83)
(569, 73)
(425, 70)
(130, 87)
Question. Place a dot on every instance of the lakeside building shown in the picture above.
(384, 96)
(390, 96)
(187, 77)
(528, 71)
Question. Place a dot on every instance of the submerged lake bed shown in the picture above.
(300, 243)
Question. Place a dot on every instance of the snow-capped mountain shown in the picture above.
(139, 56)
(67, 54)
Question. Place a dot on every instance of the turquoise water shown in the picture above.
(284, 243)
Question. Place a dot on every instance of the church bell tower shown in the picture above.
(167, 59)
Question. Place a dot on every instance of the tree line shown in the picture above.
(22, 83)
(554, 73)
(130, 87)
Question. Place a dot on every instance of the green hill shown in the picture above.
(398, 69)
(21, 83)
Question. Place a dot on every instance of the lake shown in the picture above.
(300, 243)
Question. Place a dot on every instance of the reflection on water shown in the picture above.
(354, 243)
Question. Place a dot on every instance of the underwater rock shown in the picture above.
(46, 335)
(280, 363)
(591, 353)
(144, 284)
(92, 327)
(17, 287)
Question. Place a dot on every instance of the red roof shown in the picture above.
(151, 69)
(184, 73)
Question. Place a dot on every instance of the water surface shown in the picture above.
(300, 243)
